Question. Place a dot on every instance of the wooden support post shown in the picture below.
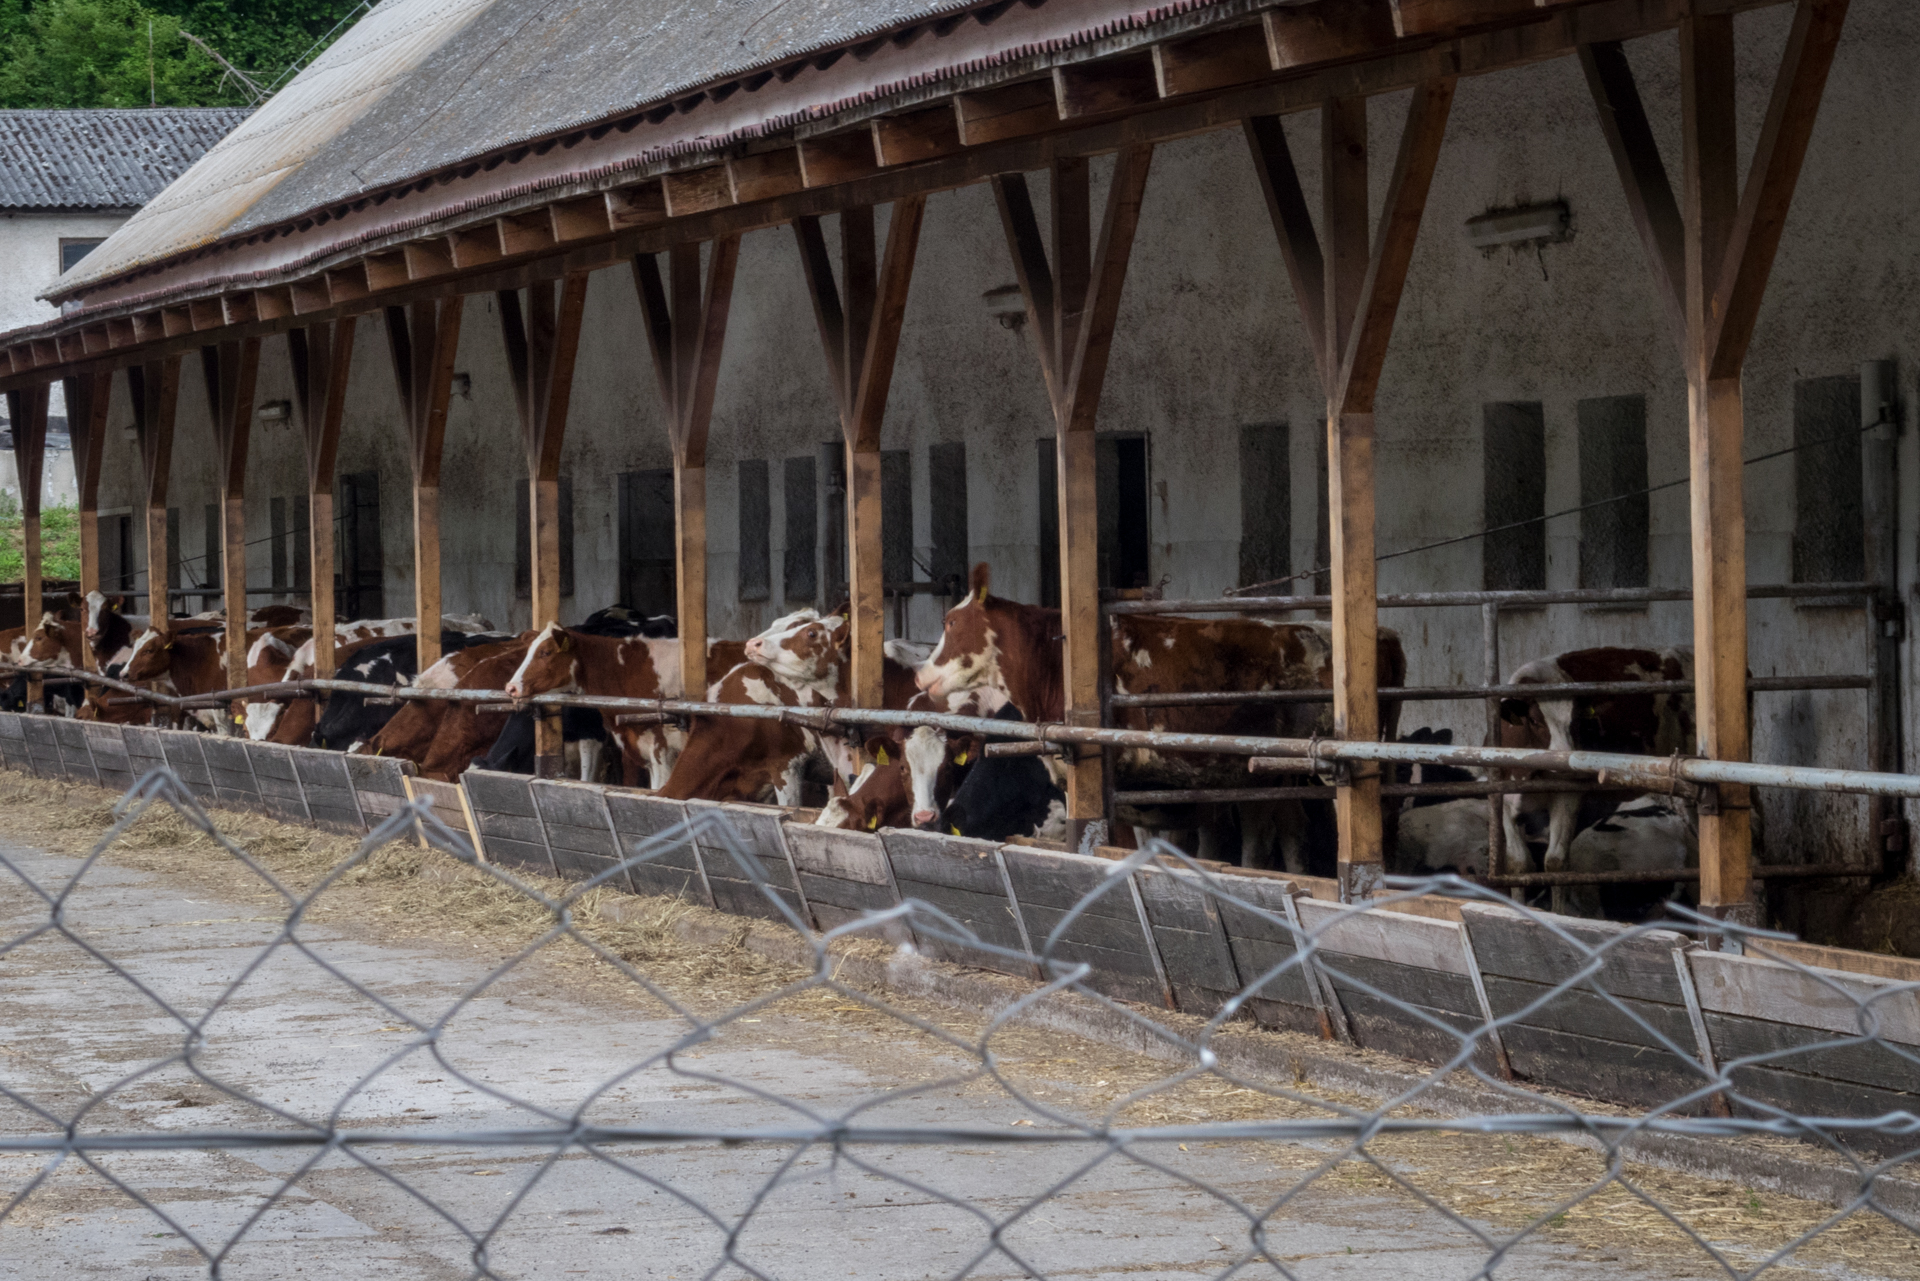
(322, 356)
(88, 396)
(27, 410)
(686, 332)
(155, 388)
(423, 338)
(231, 369)
(1730, 238)
(1073, 303)
(542, 341)
(1360, 279)
(859, 318)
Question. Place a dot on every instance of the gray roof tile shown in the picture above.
(102, 159)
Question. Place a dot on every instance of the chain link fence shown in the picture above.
(914, 1092)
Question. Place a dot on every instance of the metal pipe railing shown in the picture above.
(1612, 768)
(1512, 599)
(1464, 693)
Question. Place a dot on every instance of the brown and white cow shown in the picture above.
(442, 738)
(988, 642)
(1656, 724)
(882, 796)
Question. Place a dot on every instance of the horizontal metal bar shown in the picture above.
(1761, 872)
(1463, 693)
(1615, 768)
(1310, 792)
(1428, 600)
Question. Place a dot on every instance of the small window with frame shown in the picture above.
(72, 251)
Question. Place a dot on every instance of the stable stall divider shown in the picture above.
(1658, 1017)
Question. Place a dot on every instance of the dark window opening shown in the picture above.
(1515, 469)
(210, 564)
(648, 580)
(290, 543)
(277, 542)
(1120, 486)
(1613, 462)
(896, 517)
(360, 568)
(117, 565)
(833, 524)
(800, 571)
(947, 490)
(756, 532)
(173, 554)
(1266, 504)
(303, 544)
(72, 251)
(1829, 525)
(523, 544)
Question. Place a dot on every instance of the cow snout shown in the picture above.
(516, 689)
(925, 819)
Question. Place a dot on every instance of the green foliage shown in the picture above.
(59, 541)
(125, 53)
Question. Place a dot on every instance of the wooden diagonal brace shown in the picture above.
(1636, 155)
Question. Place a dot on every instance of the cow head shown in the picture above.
(552, 663)
(879, 798)
(48, 643)
(802, 656)
(968, 655)
(98, 606)
(152, 657)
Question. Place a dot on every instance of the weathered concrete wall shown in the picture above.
(1209, 339)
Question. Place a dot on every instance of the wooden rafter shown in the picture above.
(1754, 236)
(231, 369)
(859, 316)
(685, 323)
(422, 340)
(88, 396)
(322, 357)
(155, 391)
(1643, 175)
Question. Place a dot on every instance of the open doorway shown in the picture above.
(1121, 468)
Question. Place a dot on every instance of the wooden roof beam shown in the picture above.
(149, 326)
(175, 321)
(427, 258)
(387, 271)
(1435, 17)
(994, 115)
(474, 247)
(837, 158)
(347, 284)
(582, 219)
(120, 332)
(1112, 84)
(94, 339)
(915, 135)
(525, 233)
(205, 313)
(311, 295)
(238, 309)
(1213, 61)
(641, 206)
(697, 190)
(1303, 36)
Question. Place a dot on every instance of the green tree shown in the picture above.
(123, 53)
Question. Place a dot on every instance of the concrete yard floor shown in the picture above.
(549, 1041)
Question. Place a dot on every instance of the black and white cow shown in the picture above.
(349, 720)
(1007, 796)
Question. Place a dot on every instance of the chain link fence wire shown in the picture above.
(1025, 1208)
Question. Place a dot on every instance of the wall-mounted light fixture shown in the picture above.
(1006, 305)
(1529, 224)
(130, 432)
(462, 386)
(274, 411)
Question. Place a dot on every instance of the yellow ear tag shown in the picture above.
(880, 757)
(983, 595)
(953, 829)
(873, 824)
(960, 759)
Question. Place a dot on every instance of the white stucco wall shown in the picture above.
(29, 262)
(1209, 339)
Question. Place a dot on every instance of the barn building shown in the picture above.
(721, 309)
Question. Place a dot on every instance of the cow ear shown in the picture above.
(838, 787)
(562, 639)
(879, 748)
(980, 580)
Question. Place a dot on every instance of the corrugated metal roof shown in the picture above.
(102, 159)
(421, 85)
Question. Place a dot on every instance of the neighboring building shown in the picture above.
(68, 179)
